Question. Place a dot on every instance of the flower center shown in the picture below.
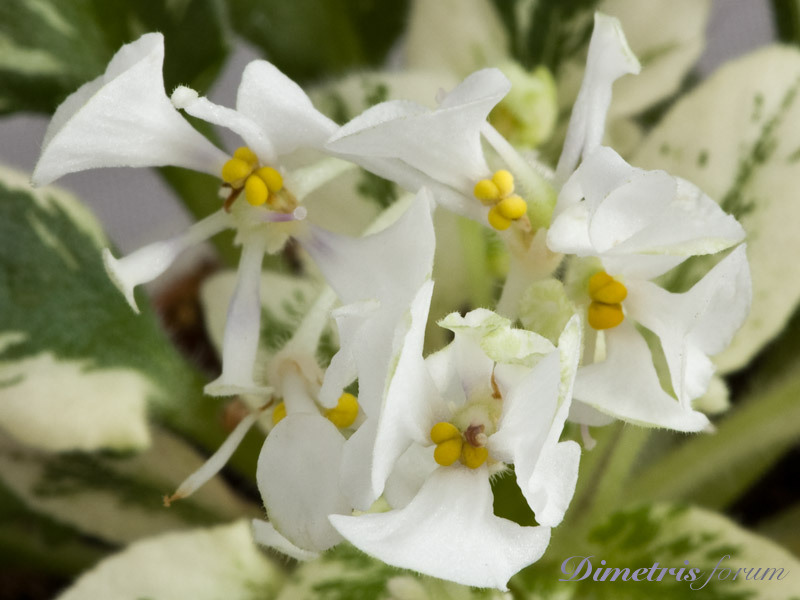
(607, 294)
(343, 415)
(452, 444)
(261, 185)
(498, 192)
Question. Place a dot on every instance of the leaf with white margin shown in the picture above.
(736, 137)
(117, 498)
(50, 47)
(456, 36)
(345, 573)
(672, 536)
(66, 336)
(202, 564)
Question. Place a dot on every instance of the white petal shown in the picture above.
(655, 213)
(609, 58)
(449, 531)
(298, 477)
(625, 385)
(534, 414)
(696, 324)
(281, 109)
(412, 404)
(242, 327)
(384, 265)
(410, 472)
(343, 370)
(147, 263)
(265, 534)
(202, 108)
(444, 144)
(551, 484)
(124, 119)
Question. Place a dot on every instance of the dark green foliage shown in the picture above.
(52, 47)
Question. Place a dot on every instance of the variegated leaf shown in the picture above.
(201, 564)
(737, 136)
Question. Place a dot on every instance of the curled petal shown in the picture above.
(609, 58)
(696, 324)
(281, 109)
(147, 263)
(625, 385)
(242, 327)
(124, 119)
(202, 108)
(449, 531)
(414, 134)
(298, 477)
(265, 534)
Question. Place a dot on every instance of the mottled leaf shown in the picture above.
(201, 564)
(737, 136)
(48, 47)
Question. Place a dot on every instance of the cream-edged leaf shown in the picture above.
(736, 138)
(202, 564)
(458, 36)
(69, 344)
(116, 498)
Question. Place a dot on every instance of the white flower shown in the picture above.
(441, 149)
(307, 469)
(124, 118)
(494, 396)
(640, 224)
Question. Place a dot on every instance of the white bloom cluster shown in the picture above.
(428, 434)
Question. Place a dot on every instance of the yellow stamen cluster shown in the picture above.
(345, 412)
(242, 171)
(498, 192)
(451, 446)
(607, 294)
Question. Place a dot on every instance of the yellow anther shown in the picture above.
(278, 413)
(443, 431)
(486, 191)
(448, 452)
(472, 456)
(345, 412)
(512, 207)
(605, 316)
(255, 190)
(235, 170)
(497, 220)
(604, 288)
(244, 153)
(272, 178)
(504, 181)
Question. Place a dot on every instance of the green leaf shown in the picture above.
(308, 40)
(202, 564)
(72, 347)
(29, 540)
(113, 497)
(678, 539)
(736, 137)
(786, 17)
(714, 469)
(345, 573)
(48, 47)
